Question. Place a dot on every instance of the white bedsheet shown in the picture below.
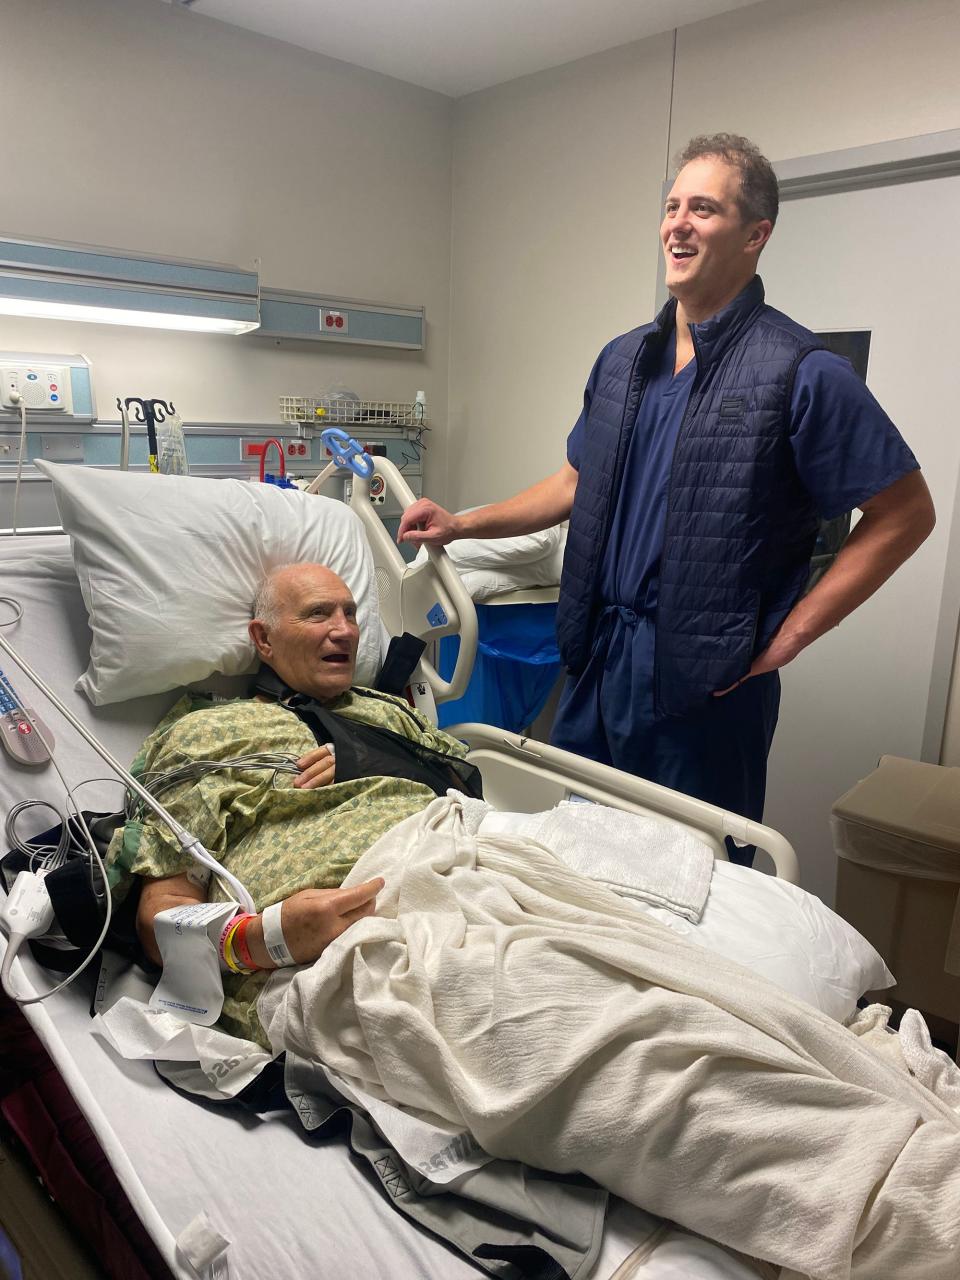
(310, 1202)
(773, 927)
(493, 566)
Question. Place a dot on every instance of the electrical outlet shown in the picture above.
(334, 322)
(9, 448)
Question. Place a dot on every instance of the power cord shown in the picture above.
(17, 399)
(27, 911)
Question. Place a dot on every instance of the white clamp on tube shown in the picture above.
(273, 938)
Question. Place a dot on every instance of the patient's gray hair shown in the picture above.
(266, 607)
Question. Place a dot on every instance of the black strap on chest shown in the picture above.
(371, 751)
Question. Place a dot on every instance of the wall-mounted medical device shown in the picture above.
(321, 318)
(112, 286)
(52, 388)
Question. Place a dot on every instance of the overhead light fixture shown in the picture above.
(111, 286)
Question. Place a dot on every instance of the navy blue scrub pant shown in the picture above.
(718, 753)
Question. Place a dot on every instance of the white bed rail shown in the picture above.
(427, 599)
(523, 775)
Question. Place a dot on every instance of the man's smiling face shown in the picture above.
(711, 252)
(312, 641)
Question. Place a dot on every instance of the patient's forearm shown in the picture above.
(312, 919)
(161, 895)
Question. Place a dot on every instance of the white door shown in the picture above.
(883, 259)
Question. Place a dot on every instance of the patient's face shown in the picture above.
(313, 645)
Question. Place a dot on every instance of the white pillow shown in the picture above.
(787, 935)
(769, 926)
(481, 584)
(169, 566)
(497, 553)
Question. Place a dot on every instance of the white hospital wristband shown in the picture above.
(273, 938)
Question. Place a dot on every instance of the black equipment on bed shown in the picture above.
(403, 654)
(78, 896)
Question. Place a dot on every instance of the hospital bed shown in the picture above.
(291, 1207)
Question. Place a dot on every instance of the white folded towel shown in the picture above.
(653, 859)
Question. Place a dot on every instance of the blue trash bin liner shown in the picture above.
(517, 665)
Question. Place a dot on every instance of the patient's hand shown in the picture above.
(312, 918)
(317, 769)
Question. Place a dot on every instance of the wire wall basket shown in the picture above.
(327, 411)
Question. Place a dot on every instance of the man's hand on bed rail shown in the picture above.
(544, 504)
(317, 768)
(426, 523)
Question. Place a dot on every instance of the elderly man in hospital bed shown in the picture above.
(478, 979)
(291, 844)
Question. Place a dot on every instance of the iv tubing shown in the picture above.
(188, 842)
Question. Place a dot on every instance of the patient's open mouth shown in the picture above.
(337, 657)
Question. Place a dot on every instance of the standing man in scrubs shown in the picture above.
(711, 443)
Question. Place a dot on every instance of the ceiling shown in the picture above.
(459, 46)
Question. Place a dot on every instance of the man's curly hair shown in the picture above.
(759, 193)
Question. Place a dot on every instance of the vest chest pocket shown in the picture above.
(733, 407)
(731, 418)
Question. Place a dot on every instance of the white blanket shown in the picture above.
(501, 991)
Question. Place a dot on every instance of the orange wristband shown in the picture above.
(227, 937)
(238, 941)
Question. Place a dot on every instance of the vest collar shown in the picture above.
(711, 338)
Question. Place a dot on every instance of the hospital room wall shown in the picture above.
(557, 180)
(140, 125)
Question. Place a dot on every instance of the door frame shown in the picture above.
(883, 164)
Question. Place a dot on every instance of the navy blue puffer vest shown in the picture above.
(740, 527)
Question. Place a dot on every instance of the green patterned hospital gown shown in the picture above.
(276, 838)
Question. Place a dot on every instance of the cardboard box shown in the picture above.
(897, 834)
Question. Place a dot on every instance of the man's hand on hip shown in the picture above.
(781, 650)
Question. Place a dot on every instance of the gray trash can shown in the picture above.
(897, 836)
